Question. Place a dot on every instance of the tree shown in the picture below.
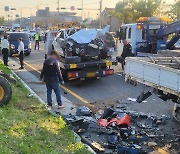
(124, 11)
(146, 8)
(174, 12)
(2, 21)
(130, 10)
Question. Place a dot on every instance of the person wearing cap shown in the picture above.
(52, 76)
(5, 50)
(21, 53)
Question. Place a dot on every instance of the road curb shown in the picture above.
(77, 137)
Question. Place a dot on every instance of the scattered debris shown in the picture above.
(152, 144)
(121, 131)
(135, 100)
(143, 96)
(83, 111)
(30, 95)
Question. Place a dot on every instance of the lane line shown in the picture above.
(66, 89)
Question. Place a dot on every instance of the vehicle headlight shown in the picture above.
(12, 46)
(29, 46)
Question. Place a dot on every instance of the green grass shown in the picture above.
(27, 128)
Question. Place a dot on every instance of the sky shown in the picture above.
(27, 8)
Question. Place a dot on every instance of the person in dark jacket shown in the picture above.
(127, 52)
(52, 76)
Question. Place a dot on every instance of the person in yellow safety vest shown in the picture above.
(37, 39)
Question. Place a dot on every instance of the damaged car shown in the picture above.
(85, 43)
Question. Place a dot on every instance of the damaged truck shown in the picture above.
(85, 53)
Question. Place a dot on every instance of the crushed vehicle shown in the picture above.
(85, 43)
(83, 53)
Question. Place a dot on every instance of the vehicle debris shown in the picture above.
(121, 131)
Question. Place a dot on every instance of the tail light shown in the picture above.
(72, 75)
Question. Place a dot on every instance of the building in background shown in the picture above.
(46, 18)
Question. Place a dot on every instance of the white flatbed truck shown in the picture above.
(160, 73)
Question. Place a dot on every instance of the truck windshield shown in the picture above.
(123, 32)
(16, 36)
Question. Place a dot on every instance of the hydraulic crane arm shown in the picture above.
(169, 29)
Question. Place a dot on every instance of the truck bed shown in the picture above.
(90, 63)
(92, 68)
(161, 73)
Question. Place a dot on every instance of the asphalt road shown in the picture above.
(106, 91)
(103, 92)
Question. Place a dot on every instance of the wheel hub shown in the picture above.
(2, 93)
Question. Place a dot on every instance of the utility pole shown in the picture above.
(100, 11)
(58, 7)
(58, 14)
(82, 11)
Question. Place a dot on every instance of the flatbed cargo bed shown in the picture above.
(91, 63)
(90, 69)
(161, 73)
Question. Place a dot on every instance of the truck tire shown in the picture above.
(27, 54)
(64, 75)
(5, 91)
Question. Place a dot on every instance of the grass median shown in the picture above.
(26, 127)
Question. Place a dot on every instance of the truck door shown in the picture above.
(123, 35)
(59, 43)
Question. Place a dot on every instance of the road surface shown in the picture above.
(103, 92)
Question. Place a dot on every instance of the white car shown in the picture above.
(32, 33)
(59, 41)
(25, 31)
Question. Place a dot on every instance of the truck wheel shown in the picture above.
(5, 91)
(104, 55)
(64, 75)
(27, 54)
(53, 47)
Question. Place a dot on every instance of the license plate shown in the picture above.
(91, 74)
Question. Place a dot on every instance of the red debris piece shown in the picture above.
(119, 121)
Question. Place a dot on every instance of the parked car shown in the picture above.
(32, 33)
(13, 40)
(25, 31)
(49, 39)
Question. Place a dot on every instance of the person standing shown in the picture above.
(52, 76)
(127, 52)
(37, 39)
(21, 53)
(5, 50)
